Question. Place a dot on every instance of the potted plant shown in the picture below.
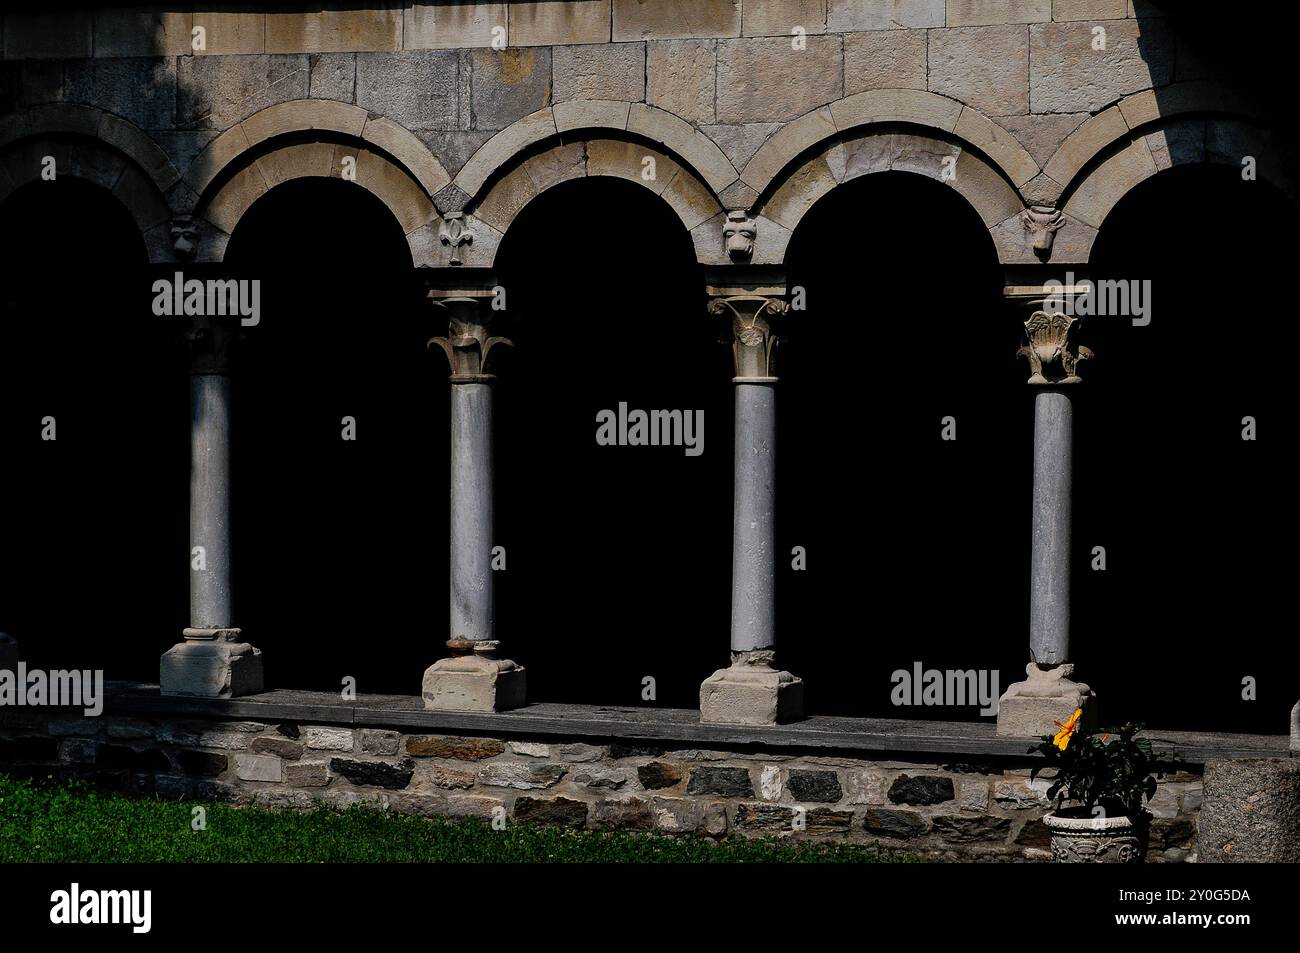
(1104, 777)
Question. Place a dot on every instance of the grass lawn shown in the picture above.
(77, 824)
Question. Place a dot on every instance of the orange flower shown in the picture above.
(1062, 739)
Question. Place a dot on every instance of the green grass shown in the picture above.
(76, 823)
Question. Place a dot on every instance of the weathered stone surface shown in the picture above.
(924, 789)
(1042, 135)
(808, 785)
(865, 786)
(214, 92)
(965, 829)
(332, 76)
(681, 77)
(446, 776)
(716, 823)
(1068, 76)
(508, 85)
(659, 774)
(764, 818)
(556, 812)
(826, 820)
(594, 776)
(677, 815)
(226, 31)
(1181, 832)
(986, 67)
(619, 749)
(1251, 812)
(884, 59)
(578, 753)
(280, 747)
(889, 823)
(726, 782)
(554, 23)
(417, 88)
(374, 741)
(328, 29)
(740, 142)
(600, 71)
(450, 26)
(974, 795)
(141, 89)
(1089, 9)
(675, 19)
(980, 12)
(1034, 833)
(750, 88)
(381, 774)
(454, 748)
(530, 749)
(1019, 795)
(623, 814)
(782, 17)
(848, 15)
(453, 149)
(521, 776)
(257, 767)
(770, 786)
(328, 739)
(307, 774)
(227, 740)
(475, 805)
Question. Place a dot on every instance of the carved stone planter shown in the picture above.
(1079, 838)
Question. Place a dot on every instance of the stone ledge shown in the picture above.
(819, 732)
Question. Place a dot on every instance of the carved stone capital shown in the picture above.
(1041, 224)
(739, 232)
(468, 345)
(453, 233)
(752, 338)
(1051, 348)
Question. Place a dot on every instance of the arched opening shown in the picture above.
(92, 386)
(915, 545)
(340, 544)
(618, 556)
(1194, 518)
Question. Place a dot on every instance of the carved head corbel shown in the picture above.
(185, 237)
(739, 231)
(1041, 223)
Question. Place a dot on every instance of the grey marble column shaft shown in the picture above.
(1049, 599)
(211, 602)
(472, 612)
(753, 547)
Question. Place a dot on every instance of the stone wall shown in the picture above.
(959, 809)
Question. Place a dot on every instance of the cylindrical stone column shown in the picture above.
(212, 661)
(753, 546)
(472, 618)
(1049, 592)
(751, 690)
(1047, 698)
(472, 678)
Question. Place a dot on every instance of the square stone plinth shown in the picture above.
(1028, 717)
(458, 684)
(214, 669)
(740, 696)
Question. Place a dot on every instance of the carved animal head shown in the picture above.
(185, 237)
(739, 232)
(1042, 222)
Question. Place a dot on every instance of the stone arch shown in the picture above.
(1184, 139)
(97, 146)
(232, 196)
(945, 160)
(317, 116)
(678, 184)
(895, 106)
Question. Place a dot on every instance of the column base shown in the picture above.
(1044, 701)
(8, 653)
(211, 663)
(474, 682)
(751, 691)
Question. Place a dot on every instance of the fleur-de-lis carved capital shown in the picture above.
(468, 345)
(1052, 349)
(752, 339)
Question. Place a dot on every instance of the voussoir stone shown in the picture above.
(726, 782)
(453, 748)
(923, 789)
